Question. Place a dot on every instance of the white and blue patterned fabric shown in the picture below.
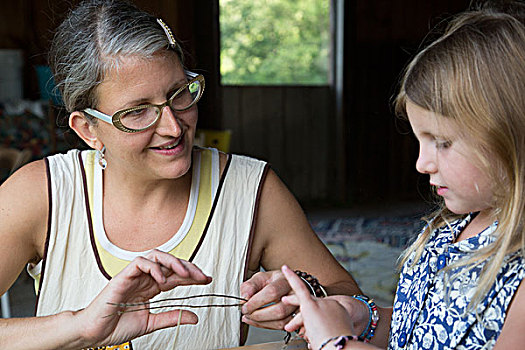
(430, 310)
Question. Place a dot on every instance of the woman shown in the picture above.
(146, 188)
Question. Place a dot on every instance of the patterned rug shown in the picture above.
(369, 248)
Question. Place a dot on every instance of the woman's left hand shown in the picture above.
(264, 307)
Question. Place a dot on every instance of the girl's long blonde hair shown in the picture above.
(475, 75)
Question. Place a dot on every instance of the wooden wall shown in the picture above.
(290, 127)
(380, 38)
(294, 128)
(29, 25)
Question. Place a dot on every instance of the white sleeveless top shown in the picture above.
(216, 235)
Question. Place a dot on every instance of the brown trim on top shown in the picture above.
(254, 219)
(48, 234)
(244, 328)
(212, 211)
(89, 218)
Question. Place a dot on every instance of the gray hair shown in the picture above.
(93, 39)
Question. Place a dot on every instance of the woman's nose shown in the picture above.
(169, 123)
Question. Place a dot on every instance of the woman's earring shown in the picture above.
(101, 160)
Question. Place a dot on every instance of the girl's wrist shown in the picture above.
(337, 342)
(372, 319)
(361, 317)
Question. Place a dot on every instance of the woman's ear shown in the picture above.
(84, 129)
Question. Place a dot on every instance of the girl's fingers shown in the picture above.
(290, 300)
(295, 323)
(297, 284)
(302, 333)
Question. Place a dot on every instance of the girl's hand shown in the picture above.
(319, 318)
(141, 280)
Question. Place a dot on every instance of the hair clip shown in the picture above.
(167, 30)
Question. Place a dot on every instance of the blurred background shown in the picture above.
(305, 85)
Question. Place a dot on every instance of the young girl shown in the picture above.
(460, 284)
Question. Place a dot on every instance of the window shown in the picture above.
(275, 42)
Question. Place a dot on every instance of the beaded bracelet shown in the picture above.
(316, 289)
(340, 341)
(370, 329)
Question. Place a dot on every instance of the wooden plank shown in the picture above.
(321, 133)
(298, 146)
(292, 345)
(288, 126)
(231, 116)
(272, 103)
(254, 125)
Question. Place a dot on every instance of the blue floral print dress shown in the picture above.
(430, 311)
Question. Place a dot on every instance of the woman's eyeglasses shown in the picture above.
(140, 118)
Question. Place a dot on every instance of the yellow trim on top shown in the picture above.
(89, 168)
(184, 250)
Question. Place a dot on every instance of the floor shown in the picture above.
(22, 297)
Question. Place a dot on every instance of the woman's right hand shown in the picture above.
(141, 280)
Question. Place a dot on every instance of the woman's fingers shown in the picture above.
(138, 282)
(142, 265)
(174, 264)
(194, 273)
(170, 319)
(173, 270)
(263, 289)
(253, 285)
(274, 312)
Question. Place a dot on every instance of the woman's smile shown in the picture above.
(171, 148)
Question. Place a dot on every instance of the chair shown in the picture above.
(10, 160)
(219, 139)
(6, 309)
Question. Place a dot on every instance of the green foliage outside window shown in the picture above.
(271, 42)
